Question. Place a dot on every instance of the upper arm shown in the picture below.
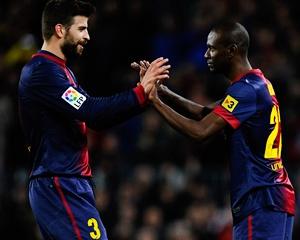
(238, 105)
(49, 87)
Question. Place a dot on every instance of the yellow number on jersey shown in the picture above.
(272, 152)
(96, 234)
(270, 89)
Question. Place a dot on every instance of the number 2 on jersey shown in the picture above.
(274, 145)
(96, 234)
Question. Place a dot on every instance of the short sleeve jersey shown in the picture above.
(55, 112)
(258, 176)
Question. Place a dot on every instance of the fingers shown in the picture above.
(146, 64)
(135, 66)
(142, 67)
(159, 60)
(143, 64)
(151, 73)
(165, 68)
(162, 77)
(161, 86)
(157, 70)
(157, 63)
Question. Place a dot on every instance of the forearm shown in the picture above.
(184, 106)
(111, 121)
(109, 111)
(186, 126)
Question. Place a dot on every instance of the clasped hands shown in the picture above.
(152, 74)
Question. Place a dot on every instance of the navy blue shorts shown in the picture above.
(265, 224)
(64, 208)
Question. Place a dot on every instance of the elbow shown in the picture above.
(198, 136)
(193, 130)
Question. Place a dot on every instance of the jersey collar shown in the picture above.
(50, 56)
(252, 71)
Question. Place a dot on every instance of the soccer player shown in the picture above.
(55, 111)
(262, 196)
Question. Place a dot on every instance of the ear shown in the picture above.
(60, 30)
(232, 50)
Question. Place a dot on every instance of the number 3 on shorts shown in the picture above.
(96, 234)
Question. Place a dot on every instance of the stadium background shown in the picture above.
(151, 182)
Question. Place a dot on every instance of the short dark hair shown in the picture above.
(63, 11)
(233, 33)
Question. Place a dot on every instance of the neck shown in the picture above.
(53, 48)
(239, 69)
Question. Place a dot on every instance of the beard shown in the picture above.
(69, 50)
(72, 49)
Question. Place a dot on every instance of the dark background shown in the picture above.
(151, 182)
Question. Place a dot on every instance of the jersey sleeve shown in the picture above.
(50, 88)
(238, 105)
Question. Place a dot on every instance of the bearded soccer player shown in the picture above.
(55, 111)
(262, 196)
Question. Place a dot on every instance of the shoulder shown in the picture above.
(41, 70)
(46, 65)
(244, 88)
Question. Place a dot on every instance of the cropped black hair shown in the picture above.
(233, 33)
(63, 11)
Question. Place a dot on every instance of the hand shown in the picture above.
(162, 89)
(153, 95)
(142, 67)
(151, 73)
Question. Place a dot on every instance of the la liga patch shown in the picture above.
(230, 103)
(73, 97)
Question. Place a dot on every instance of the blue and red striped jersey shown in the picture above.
(258, 176)
(55, 111)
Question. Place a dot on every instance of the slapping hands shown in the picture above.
(152, 74)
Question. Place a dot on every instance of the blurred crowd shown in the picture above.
(151, 183)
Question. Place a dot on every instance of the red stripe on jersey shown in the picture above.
(275, 101)
(250, 232)
(84, 156)
(84, 163)
(69, 76)
(253, 71)
(261, 75)
(227, 116)
(140, 94)
(67, 207)
(83, 128)
(60, 62)
(289, 199)
(55, 59)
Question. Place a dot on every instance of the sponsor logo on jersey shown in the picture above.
(230, 103)
(277, 166)
(73, 97)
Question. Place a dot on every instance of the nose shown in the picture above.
(86, 35)
(206, 54)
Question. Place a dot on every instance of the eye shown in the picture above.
(82, 29)
(211, 49)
